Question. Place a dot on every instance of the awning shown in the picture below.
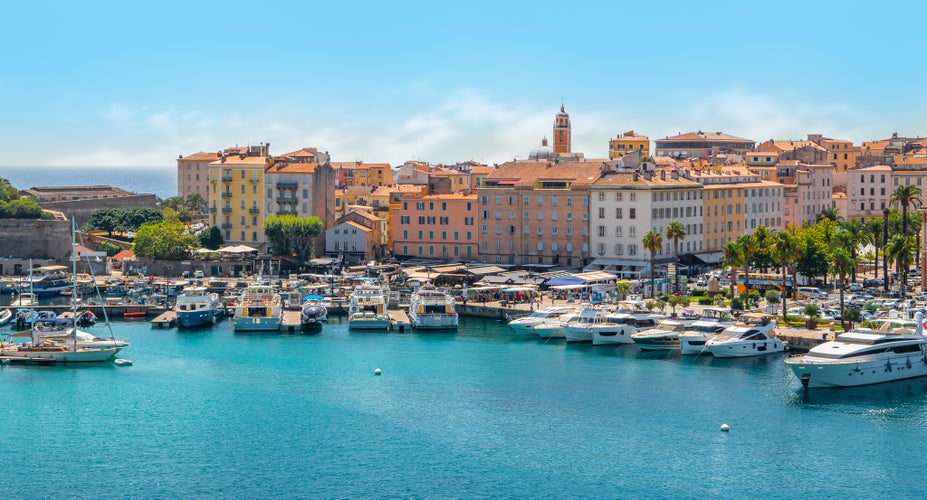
(708, 257)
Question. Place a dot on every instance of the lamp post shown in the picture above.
(885, 212)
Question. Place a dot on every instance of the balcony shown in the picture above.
(286, 212)
(286, 185)
(226, 210)
(226, 178)
(226, 225)
(286, 199)
(212, 210)
(226, 194)
(254, 210)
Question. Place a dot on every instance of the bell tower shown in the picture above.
(562, 132)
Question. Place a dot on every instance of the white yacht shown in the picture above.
(259, 308)
(863, 356)
(591, 321)
(555, 328)
(196, 306)
(752, 335)
(712, 322)
(313, 313)
(432, 309)
(632, 317)
(526, 324)
(665, 337)
(368, 307)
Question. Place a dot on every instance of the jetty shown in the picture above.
(167, 319)
(291, 322)
(399, 320)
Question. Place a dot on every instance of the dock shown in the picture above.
(292, 322)
(399, 320)
(167, 319)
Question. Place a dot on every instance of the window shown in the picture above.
(618, 231)
(569, 216)
(632, 197)
(632, 213)
(618, 196)
(619, 213)
(602, 212)
(632, 249)
(540, 230)
(601, 230)
(498, 200)
(569, 201)
(632, 232)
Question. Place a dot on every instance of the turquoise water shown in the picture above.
(482, 413)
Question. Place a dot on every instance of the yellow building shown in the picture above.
(236, 194)
(626, 143)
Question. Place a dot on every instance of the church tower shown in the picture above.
(562, 138)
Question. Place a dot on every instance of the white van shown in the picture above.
(811, 292)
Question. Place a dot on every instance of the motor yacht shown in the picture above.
(526, 324)
(432, 309)
(863, 356)
(753, 334)
(664, 337)
(712, 321)
(591, 321)
(367, 309)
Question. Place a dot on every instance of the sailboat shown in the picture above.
(69, 349)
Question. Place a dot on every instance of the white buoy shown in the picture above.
(725, 428)
(122, 362)
(376, 371)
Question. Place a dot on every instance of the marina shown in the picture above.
(462, 406)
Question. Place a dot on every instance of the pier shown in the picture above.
(399, 320)
(167, 319)
(291, 322)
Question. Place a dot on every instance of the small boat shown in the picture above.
(753, 334)
(863, 356)
(196, 306)
(6, 316)
(313, 313)
(86, 318)
(432, 309)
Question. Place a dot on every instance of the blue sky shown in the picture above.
(135, 84)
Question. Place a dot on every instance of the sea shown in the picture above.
(161, 181)
(481, 413)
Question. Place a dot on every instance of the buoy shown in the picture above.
(725, 428)
(376, 371)
(122, 362)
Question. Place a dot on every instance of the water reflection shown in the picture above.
(902, 398)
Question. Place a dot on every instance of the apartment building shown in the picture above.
(237, 196)
(842, 154)
(868, 192)
(362, 174)
(436, 226)
(628, 142)
(624, 206)
(534, 212)
(702, 145)
(193, 174)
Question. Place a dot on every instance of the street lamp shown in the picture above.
(885, 212)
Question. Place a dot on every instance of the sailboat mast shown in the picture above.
(74, 280)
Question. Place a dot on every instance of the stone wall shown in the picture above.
(82, 209)
(36, 239)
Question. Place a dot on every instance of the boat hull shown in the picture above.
(693, 344)
(741, 349)
(815, 374)
(657, 343)
(192, 319)
(365, 323)
(611, 336)
(577, 334)
(433, 321)
(257, 324)
(82, 355)
(546, 331)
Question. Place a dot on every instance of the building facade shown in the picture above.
(628, 142)
(237, 195)
(702, 145)
(439, 226)
(193, 174)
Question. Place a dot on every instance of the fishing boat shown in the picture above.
(259, 308)
(863, 356)
(432, 309)
(368, 307)
(196, 306)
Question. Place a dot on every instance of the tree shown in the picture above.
(292, 235)
(164, 240)
(732, 257)
(653, 241)
(830, 213)
(906, 195)
(763, 256)
(873, 236)
(675, 231)
(21, 208)
(899, 251)
(195, 203)
(856, 236)
(747, 248)
(786, 247)
(842, 263)
(175, 202)
(211, 239)
(623, 289)
(814, 252)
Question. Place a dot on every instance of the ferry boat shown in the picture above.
(196, 306)
(259, 309)
(432, 309)
(752, 335)
(368, 308)
(863, 356)
(46, 281)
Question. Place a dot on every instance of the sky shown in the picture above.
(135, 84)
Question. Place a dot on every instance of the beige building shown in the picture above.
(193, 174)
(536, 212)
(868, 192)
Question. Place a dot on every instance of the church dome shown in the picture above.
(542, 152)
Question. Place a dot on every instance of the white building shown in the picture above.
(868, 192)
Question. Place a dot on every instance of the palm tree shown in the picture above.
(840, 265)
(907, 195)
(675, 231)
(196, 203)
(856, 236)
(830, 213)
(747, 245)
(787, 249)
(652, 242)
(873, 236)
(898, 251)
(733, 257)
(623, 289)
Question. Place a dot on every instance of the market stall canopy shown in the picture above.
(237, 249)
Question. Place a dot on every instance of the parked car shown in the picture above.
(921, 296)
(856, 287)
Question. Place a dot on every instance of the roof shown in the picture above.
(526, 173)
(199, 156)
(705, 136)
(238, 160)
(654, 181)
(283, 167)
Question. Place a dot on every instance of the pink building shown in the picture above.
(437, 226)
